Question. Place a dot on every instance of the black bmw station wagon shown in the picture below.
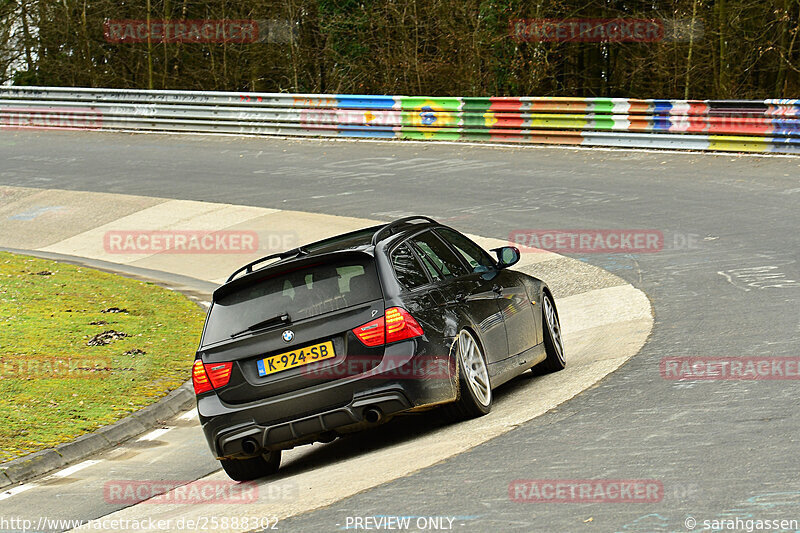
(342, 334)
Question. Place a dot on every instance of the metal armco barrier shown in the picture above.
(725, 125)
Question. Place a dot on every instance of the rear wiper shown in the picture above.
(282, 319)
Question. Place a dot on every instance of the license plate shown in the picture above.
(299, 357)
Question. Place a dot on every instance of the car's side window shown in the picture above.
(406, 267)
(439, 254)
(433, 272)
(473, 254)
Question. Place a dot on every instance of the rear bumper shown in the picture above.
(327, 409)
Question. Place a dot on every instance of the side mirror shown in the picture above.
(506, 256)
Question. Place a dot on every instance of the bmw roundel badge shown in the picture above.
(288, 335)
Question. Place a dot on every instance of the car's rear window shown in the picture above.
(304, 292)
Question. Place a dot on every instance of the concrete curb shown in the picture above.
(45, 461)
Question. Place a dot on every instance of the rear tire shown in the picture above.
(474, 390)
(553, 342)
(264, 465)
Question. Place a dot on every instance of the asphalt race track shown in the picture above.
(726, 284)
(604, 319)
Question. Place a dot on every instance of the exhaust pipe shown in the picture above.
(250, 446)
(373, 415)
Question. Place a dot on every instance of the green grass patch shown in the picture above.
(54, 385)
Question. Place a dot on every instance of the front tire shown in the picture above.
(263, 465)
(475, 391)
(553, 342)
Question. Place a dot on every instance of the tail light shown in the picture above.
(372, 333)
(210, 376)
(400, 325)
(396, 325)
(199, 378)
(219, 373)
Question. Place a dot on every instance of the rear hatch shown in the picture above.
(290, 327)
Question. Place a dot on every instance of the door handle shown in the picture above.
(498, 289)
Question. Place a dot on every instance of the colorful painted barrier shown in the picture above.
(725, 125)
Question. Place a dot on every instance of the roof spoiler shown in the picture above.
(376, 237)
(248, 268)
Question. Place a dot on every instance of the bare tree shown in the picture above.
(747, 49)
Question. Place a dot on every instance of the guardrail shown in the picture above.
(726, 125)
